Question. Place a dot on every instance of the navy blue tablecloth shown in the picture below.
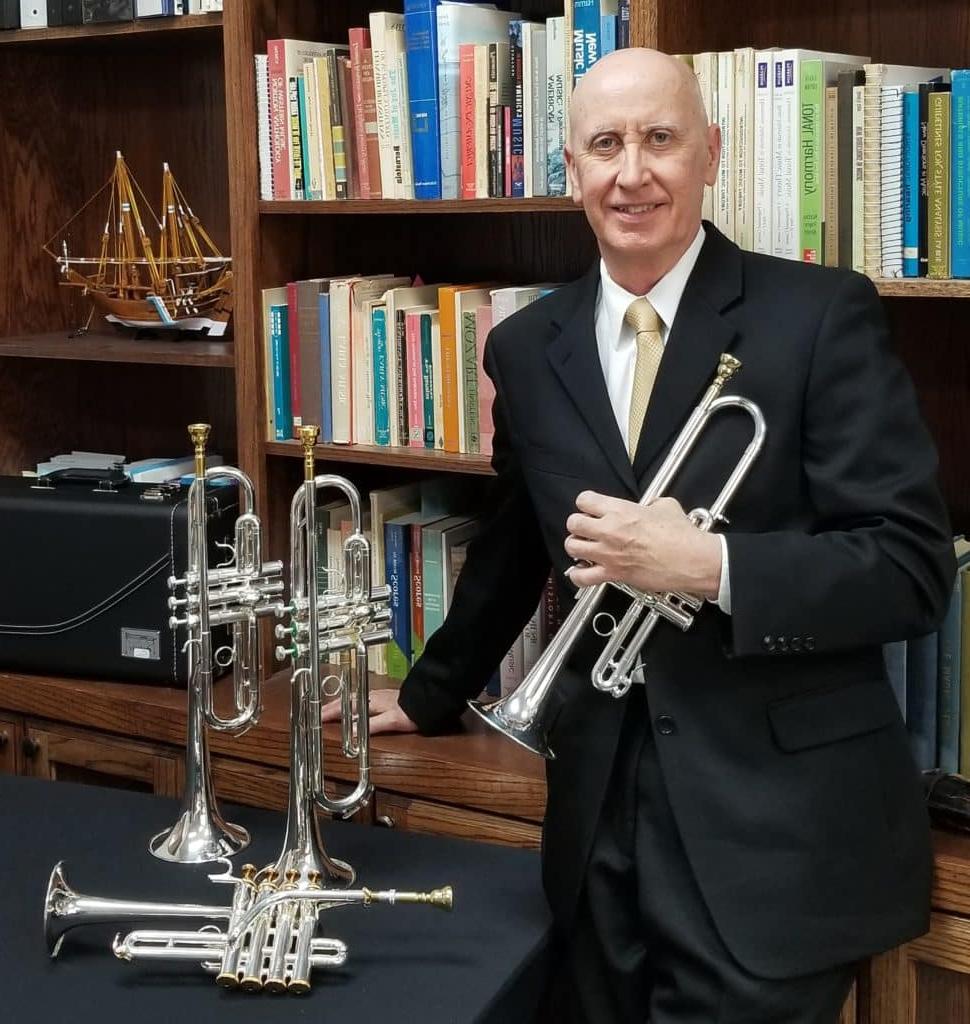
(483, 962)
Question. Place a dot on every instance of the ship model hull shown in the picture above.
(176, 284)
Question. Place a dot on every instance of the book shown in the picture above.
(421, 43)
(938, 185)
(960, 173)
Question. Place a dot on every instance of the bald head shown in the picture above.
(635, 68)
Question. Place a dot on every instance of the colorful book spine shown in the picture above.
(421, 41)
(427, 376)
(960, 176)
(911, 182)
(555, 107)
(517, 138)
(359, 42)
(469, 370)
(296, 391)
(607, 34)
(938, 185)
(810, 159)
(417, 591)
(623, 24)
(586, 31)
(326, 395)
(397, 565)
(382, 416)
(415, 389)
(279, 346)
(296, 138)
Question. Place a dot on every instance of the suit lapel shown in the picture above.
(574, 356)
(699, 335)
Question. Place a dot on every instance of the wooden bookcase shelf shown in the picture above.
(117, 348)
(377, 455)
(922, 288)
(349, 207)
(155, 27)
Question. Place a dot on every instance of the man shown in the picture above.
(726, 842)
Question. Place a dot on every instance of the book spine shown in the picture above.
(439, 393)
(911, 183)
(872, 132)
(891, 181)
(812, 86)
(705, 71)
(279, 118)
(382, 103)
(365, 126)
(938, 199)
(397, 567)
(382, 420)
(400, 356)
(279, 345)
(466, 104)
(449, 367)
(310, 119)
(427, 378)
(417, 592)
(537, 111)
(858, 178)
(623, 24)
(948, 729)
(407, 157)
(725, 194)
(326, 382)
(480, 115)
(415, 396)
(431, 579)
(469, 370)
(744, 72)
(830, 178)
(340, 364)
(296, 396)
(960, 178)
(486, 390)
(421, 41)
(335, 116)
(555, 109)
(517, 144)
(296, 139)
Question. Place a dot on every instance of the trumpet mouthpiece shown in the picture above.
(443, 898)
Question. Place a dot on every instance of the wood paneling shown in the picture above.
(129, 31)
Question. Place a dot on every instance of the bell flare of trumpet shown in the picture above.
(529, 734)
(200, 836)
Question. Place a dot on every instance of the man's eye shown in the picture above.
(604, 144)
(662, 138)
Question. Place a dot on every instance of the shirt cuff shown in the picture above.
(723, 600)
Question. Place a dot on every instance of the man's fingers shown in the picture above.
(593, 503)
(587, 576)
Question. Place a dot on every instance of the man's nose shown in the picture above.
(634, 166)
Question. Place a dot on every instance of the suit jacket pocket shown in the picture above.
(554, 463)
(825, 716)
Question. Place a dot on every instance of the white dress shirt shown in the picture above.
(617, 345)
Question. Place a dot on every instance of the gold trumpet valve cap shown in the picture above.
(227, 980)
(251, 984)
(299, 987)
(275, 985)
(248, 872)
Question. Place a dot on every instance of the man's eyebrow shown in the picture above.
(657, 126)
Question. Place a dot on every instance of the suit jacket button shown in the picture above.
(768, 642)
(795, 644)
(666, 726)
(809, 643)
(783, 644)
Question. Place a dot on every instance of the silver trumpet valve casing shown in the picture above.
(522, 715)
(236, 594)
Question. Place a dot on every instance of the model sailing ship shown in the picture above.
(186, 285)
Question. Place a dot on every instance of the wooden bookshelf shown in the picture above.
(117, 348)
(350, 207)
(378, 455)
(149, 27)
(922, 288)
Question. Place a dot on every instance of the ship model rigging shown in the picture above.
(181, 284)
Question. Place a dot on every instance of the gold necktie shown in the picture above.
(642, 317)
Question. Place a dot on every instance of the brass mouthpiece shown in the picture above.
(199, 433)
(308, 433)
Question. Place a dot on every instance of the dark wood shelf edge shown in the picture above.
(378, 455)
(114, 348)
(921, 288)
(540, 204)
(475, 768)
(139, 27)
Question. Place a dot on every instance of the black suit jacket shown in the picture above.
(782, 747)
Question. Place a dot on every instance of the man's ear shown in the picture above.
(573, 175)
(713, 153)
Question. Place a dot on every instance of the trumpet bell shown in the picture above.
(530, 733)
(200, 835)
(57, 910)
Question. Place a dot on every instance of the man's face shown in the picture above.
(640, 156)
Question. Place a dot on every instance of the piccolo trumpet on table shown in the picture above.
(269, 938)
(522, 714)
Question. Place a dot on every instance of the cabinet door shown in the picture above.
(11, 738)
(439, 819)
(926, 981)
(55, 752)
(850, 1013)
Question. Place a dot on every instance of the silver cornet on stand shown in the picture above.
(269, 940)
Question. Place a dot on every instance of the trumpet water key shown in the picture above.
(235, 594)
(268, 940)
(522, 715)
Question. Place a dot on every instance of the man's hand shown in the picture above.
(654, 548)
(386, 714)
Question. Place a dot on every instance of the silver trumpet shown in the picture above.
(338, 625)
(268, 941)
(522, 714)
(236, 594)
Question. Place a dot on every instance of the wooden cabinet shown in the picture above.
(394, 811)
(55, 752)
(11, 738)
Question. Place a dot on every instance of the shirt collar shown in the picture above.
(665, 295)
